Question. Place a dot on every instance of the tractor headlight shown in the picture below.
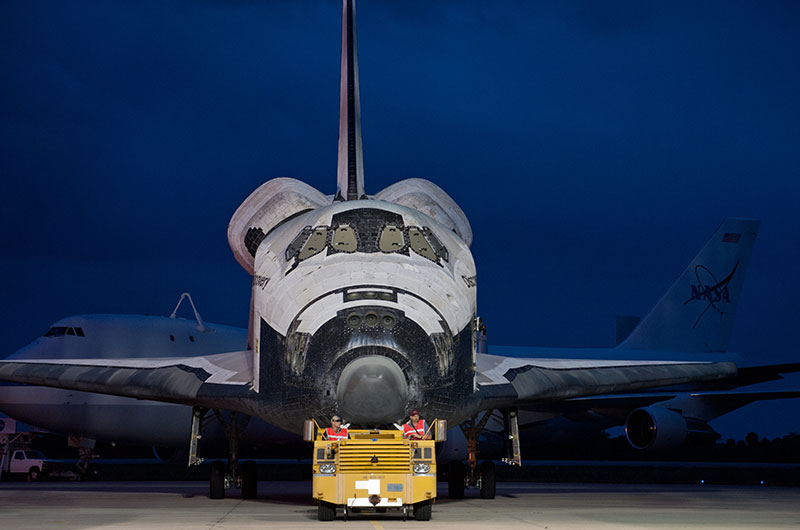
(421, 467)
(327, 468)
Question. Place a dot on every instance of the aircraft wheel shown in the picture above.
(455, 480)
(422, 511)
(488, 480)
(249, 480)
(34, 474)
(326, 511)
(217, 481)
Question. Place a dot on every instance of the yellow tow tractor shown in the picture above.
(375, 471)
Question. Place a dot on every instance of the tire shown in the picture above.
(249, 480)
(488, 480)
(326, 511)
(216, 483)
(455, 480)
(34, 474)
(422, 511)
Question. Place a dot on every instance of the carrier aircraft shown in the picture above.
(364, 305)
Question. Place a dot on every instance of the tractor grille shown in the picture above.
(366, 456)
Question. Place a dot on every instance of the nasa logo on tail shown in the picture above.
(708, 289)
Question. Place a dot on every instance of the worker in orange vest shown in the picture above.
(336, 431)
(415, 428)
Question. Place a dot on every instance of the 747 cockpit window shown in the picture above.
(59, 331)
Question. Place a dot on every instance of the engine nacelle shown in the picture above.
(426, 197)
(274, 202)
(655, 428)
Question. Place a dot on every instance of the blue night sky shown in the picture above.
(594, 146)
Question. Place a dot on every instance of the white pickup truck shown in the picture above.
(30, 462)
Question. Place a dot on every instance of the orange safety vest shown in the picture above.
(411, 431)
(333, 435)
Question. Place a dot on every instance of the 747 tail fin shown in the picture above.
(697, 313)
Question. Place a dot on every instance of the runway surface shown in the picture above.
(179, 505)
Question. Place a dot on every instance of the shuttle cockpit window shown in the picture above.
(418, 243)
(316, 242)
(420, 240)
(391, 239)
(438, 249)
(309, 242)
(366, 230)
(344, 239)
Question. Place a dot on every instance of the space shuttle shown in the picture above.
(365, 306)
(362, 305)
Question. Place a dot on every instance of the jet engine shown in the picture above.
(655, 428)
(271, 204)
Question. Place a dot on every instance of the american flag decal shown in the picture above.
(731, 238)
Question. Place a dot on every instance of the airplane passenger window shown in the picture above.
(391, 239)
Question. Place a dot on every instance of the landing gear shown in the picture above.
(225, 476)
(472, 429)
(249, 480)
(216, 488)
(483, 477)
(488, 480)
(455, 480)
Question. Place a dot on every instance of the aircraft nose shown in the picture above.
(372, 390)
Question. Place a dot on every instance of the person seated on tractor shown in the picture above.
(336, 431)
(415, 428)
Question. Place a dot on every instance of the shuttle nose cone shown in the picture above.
(372, 390)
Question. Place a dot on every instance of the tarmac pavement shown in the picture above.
(553, 506)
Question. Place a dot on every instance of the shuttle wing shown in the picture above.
(509, 381)
(212, 380)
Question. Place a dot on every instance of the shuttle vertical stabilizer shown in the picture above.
(350, 175)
